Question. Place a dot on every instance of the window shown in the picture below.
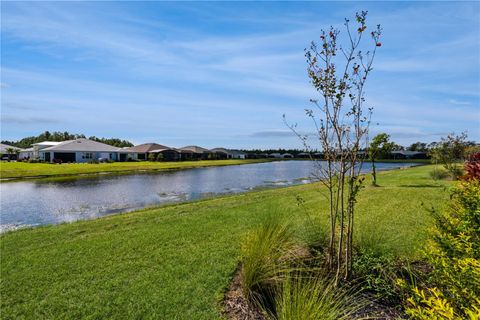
(87, 155)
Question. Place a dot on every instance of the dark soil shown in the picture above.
(236, 306)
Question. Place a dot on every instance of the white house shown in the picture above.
(79, 150)
(228, 153)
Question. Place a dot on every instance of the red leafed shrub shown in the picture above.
(472, 167)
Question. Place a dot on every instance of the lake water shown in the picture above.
(37, 202)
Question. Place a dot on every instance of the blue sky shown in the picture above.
(223, 73)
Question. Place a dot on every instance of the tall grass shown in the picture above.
(267, 254)
(313, 298)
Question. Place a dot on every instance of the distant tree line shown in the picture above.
(63, 136)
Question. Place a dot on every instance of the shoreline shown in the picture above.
(11, 228)
(158, 169)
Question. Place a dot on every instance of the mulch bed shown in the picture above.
(236, 306)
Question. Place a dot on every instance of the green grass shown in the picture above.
(174, 262)
(23, 169)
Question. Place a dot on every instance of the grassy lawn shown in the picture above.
(23, 169)
(174, 262)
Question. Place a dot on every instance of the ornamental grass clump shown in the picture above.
(313, 298)
(267, 255)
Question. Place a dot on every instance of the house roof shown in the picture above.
(82, 145)
(4, 147)
(194, 149)
(49, 143)
(163, 149)
(408, 153)
(222, 150)
(146, 147)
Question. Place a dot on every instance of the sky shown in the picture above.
(223, 73)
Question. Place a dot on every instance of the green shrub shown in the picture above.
(309, 298)
(377, 274)
(438, 174)
(152, 157)
(159, 156)
(267, 253)
(452, 290)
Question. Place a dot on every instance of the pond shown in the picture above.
(39, 202)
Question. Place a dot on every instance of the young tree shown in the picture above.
(379, 147)
(341, 121)
(449, 152)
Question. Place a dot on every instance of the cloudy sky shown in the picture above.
(223, 73)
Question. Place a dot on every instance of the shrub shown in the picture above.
(453, 288)
(438, 174)
(160, 156)
(377, 275)
(266, 256)
(301, 298)
(472, 167)
(152, 157)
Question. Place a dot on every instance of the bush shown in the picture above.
(377, 274)
(160, 156)
(267, 253)
(301, 298)
(472, 167)
(438, 174)
(152, 157)
(452, 290)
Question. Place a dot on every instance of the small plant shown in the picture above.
(160, 156)
(313, 298)
(438, 174)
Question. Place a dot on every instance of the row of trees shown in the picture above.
(63, 136)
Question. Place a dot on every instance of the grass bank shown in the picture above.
(174, 262)
(18, 170)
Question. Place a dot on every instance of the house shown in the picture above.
(79, 150)
(195, 153)
(275, 155)
(304, 155)
(9, 152)
(287, 156)
(142, 152)
(405, 154)
(222, 153)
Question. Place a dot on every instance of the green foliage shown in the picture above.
(438, 174)
(152, 157)
(380, 146)
(449, 152)
(377, 275)
(313, 298)
(453, 288)
(267, 254)
(160, 156)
